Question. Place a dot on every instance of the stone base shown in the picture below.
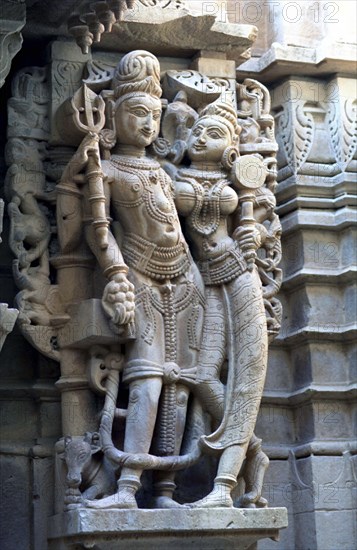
(211, 529)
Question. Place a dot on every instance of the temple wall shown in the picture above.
(304, 54)
(307, 420)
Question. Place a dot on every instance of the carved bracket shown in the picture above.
(13, 18)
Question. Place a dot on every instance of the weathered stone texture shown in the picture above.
(307, 417)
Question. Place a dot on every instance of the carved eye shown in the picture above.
(196, 131)
(139, 112)
(82, 457)
(214, 135)
(156, 116)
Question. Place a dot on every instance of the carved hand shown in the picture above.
(249, 239)
(118, 300)
(89, 148)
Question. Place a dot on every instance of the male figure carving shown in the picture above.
(149, 256)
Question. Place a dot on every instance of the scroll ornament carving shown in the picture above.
(67, 77)
(169, 195)
(296, 130)
(13, 17)
(164, 3)
(342, 124)
(99, 75)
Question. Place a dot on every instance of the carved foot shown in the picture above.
(167, 503)
(121, 500)
(218, 498)
(261, 503)
(253, 475)
(252, 500)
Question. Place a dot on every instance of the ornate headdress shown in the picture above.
(137, 72)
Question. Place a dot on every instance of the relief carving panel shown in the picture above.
(146, 252)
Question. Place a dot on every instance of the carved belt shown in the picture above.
(170, 372)
(224, 268)
(154, 261)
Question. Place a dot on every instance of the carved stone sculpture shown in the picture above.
(89, 474)
(235, 324)
(155, 286)
(153, 260)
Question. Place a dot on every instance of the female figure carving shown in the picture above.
(234, 323)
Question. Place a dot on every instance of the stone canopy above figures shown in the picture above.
(124, 25)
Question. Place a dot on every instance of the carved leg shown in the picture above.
(140, 423)
(209, 389)
(164, 482)
(246, 343)
(229, 466)
(253, 474)
(211, 396)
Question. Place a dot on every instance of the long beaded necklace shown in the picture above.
(208, 187)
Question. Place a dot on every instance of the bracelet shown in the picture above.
(112, 270)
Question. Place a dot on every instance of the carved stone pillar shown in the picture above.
(11, 22)
(309, 389)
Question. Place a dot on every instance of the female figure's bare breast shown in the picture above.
(206, 205)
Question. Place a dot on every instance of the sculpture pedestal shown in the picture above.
(211, 529)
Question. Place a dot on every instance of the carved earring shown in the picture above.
(229, 156)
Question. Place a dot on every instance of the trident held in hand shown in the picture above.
(89, 118)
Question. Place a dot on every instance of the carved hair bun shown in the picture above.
(138, 71)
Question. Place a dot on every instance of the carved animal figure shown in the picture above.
(87, 469)
(34, 283)
(32, 229)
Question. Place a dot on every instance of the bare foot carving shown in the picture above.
(218, 498)
(166, 503)
(252, 500)
(121, 500)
